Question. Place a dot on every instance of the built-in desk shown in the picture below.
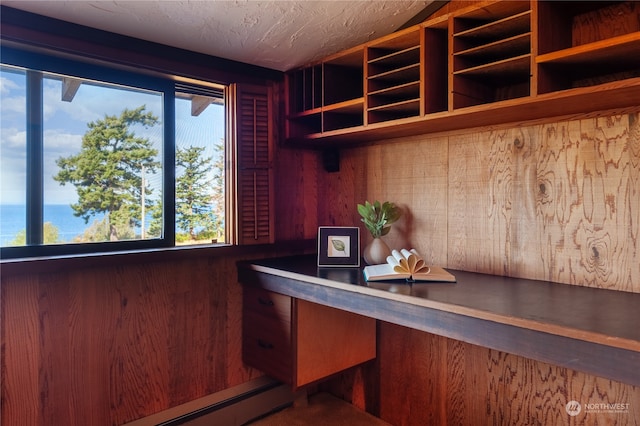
(592, 330)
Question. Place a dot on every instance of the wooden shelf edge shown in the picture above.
(305, 113)
(390, 89)
(515, 62)
(617, 96)
(573, 53)
(524, 39)
(351, 103)
(507, 21)
(392, 55)
(395, 105)
(394, 71)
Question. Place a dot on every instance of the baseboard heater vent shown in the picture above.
(231, 407)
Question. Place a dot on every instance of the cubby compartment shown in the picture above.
(304, 124)
(341, 118)
(343, 105)
(343, 77)
(305, 89)
(327, 96)
(584, 44)
(435, 71)
(394, 83)
(491, 54)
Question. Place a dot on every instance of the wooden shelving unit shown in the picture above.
(326, 96)
(580, 46)
(495, 62)
(393, 83)
(491, 51)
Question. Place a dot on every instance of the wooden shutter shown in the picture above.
(254, 143)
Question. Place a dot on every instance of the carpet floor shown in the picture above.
(323, 409)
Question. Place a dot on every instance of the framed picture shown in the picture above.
(338, 246)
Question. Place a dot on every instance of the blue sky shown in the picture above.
(66, 122)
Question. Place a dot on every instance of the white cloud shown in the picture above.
(7, 85)
(61, 142)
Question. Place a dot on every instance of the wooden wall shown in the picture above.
(108, 340)
(557, 201)
(105, 342)
(108, 343)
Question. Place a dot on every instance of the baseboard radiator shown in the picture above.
(231, 407)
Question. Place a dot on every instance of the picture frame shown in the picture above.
(338, 246)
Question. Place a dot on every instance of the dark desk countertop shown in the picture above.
(589, 329)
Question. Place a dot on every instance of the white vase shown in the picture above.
(376, 252)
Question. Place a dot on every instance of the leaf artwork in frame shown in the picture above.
(338, 246)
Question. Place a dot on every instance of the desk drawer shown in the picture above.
(267, 346)
(267, 303)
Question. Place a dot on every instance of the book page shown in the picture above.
(398, 262)
(382, 272)
(415, 263)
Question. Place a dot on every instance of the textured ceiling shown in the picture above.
(274, 34)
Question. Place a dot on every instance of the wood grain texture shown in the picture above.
(21, 360)
(108, 345)
(296, 175)
(556, 201)
(416, 184)
(330, 340)
(552, 200)
(449, 382)
(588, 202)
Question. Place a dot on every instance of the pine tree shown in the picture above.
(218, 195)
(193, 189)
(107, 172)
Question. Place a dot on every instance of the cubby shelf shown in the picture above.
(409, 105)
(404, 90)
(518, 65)
(394, 77)
(500, 28)
(491, 55)
(624, 48)
(490, 63)
(495, 50)
(387, 59)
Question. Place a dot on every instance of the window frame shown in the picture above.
(52, 64)
(138, 59)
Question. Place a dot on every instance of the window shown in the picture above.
(200, 166)
(96, 159)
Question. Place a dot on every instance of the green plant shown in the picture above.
(379, 217)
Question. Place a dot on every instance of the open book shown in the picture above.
(406, 264)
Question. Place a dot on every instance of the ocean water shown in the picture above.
(13, 220)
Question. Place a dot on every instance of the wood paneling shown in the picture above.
(329, 340)
(105, 345)
(110, 345)
(454, 383)
(553, 201)
(557, 201)
(296, 192)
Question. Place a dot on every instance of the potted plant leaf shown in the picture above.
(377, 218)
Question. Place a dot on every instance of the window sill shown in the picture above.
(90, 260)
